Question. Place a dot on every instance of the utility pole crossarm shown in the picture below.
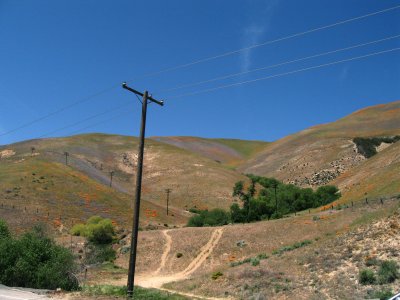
(159, 102)
(138, 191)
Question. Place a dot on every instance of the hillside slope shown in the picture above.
(94, 156)
(231, 152)
(320, 154)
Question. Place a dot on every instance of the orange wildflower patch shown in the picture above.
(150, 213)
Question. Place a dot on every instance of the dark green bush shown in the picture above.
(34, 260)
(367, 146)
(388, 272)
(214, 217)
(366, 276)
(4, 232)
(381, 295)
(97, 230)
(216, 275)
(254, 261)
(99, 253)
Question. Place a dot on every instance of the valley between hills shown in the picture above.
(314, 254)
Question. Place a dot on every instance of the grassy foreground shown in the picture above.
(120, 292)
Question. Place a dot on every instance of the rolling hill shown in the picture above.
(322, 154)
(200, 172)
(40, 178)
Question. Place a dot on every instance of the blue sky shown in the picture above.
(54, 53)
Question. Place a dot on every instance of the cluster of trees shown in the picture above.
(34, 260)
(266, 198)
(367, 146)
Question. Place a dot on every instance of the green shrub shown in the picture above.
(371, 261)
(388, 272)
(98, 253)
(216, 275)
(196, 221)
(78, 230)
(297, 245)
(194, 210)
(97, 230)
(367, 276)
(214, 217)
(381, 295)
(262, 256)
(254, 261)
(121, 291)
(4, 232)
(34, 260)
(179, 255)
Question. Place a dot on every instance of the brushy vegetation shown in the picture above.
(367, 146)
(381, 295)
(388, 272)
(216, 275)
(96, 230)
(100, 234)
(366, 276)
(254, 261)
(121, 291)
(33, 260)
(214, 217)
(297, 245)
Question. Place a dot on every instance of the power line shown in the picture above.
(265, 43)
(99, 123)
(213, 89)
(84, 120)
(283, 74)
(279, 64)
(64, 108)
(85, 99)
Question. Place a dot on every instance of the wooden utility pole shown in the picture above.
(111, 177)
(168, 191)
(132, 257)
(276, 199)
(66, 158)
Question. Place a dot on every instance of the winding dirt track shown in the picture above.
(156, 281)
(165, 253)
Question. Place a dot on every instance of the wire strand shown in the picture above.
(62, 109)
(83, 120)
(85, 99)
(277, 65)
(283, 74)
(264, 43)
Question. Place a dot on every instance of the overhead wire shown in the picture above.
(99, 123)
(250, 81)
(212, 89)
(277, 65)
(62, 109)
(265, 43)
(85, 99)
(282, 74)
(84, 120)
